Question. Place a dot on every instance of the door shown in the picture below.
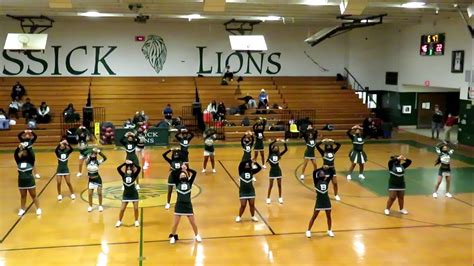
(429, 99)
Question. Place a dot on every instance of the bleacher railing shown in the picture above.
(362, 91)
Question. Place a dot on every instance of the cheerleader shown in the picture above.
(396, 182)
(140, 149)
(28, 138)
(175, 162)
(95, 181)
(258, 130)
(184, 137)
(246, 142)
(209, 137)
(63, 151)
(274, 157)
(184, 183)
(247, 169)
(357, 154)
(444, 152)
(82, 135)
(328, 159)
(321, 183)
(309, 156)
(26, 182)
(129, 141)
(130, 192)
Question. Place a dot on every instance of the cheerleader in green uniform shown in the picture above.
(258, 130)
(209, 137)
(357, 154)
(95, 181)
(328, 159)
(130, 192)
(28, 138)
(26, 181)
(444, 152)
(140, 150)
(184, 138)
(129, 142)
(309, 156)
(184, 184)
(247, 169)
(396, 182)
(275, 170)
(63, 151)
(321, 183)
(82, 135)
(175, 162)
(247, 143)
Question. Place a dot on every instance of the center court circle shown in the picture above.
(152, 193)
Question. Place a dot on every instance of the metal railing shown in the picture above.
(360, 90)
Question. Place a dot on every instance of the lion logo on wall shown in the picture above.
(155, 52)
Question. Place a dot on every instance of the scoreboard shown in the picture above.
(432, 44)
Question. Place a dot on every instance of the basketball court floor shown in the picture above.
(435, 232)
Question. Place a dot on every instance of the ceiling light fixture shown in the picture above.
(414, 5)
(315, 2)
(192, 16)
(270, 18)
(96, 14)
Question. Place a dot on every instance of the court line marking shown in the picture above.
(140, 254)
(452, 225)
(27, 209)
(462, 201)
(368, 210)
(256, 210)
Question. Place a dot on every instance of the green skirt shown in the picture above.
(246, 191)
(309, 153)
(183, 208)
(358, 157)
(130, 194)
(322, 202)
(396, 184)
(275, 172)
(62, 169)
(258, 145)
(133, 157)
(26, 183)
(247, 156)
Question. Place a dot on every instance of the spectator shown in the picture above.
(43, 116)
(451, 125)
(221, 111)
(70, 115)
(143, 117)
(28, 109)
(436, 122)
(14, 107)
(250, 103)
(18, 91)
(262, 101)
(4, 121)
(168, 112)
(212, 108)
(228, 76)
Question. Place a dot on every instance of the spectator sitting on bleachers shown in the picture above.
(371, 126)
(129, 124)
(18, 91)
(14, 108)
(228, 76)
(28, 109)
(43, 116)
(168, 112)
(221, 111)
(70, 115)
(250, 103)
(262, 101)
(4, 121)
(212, 108)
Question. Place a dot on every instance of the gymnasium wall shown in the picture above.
(107, 47)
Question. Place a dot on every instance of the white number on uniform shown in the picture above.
(275, 158)
(247, 148)
(330, 155)
(23, 165)
(398, 169)
(323, 186)
(63, 156)
(260, 135)
(311, 142)
(359, 139)
(177, 165)
(184, 186)
(247, 175)
(128, 180)
(129, 146)
(185, 142)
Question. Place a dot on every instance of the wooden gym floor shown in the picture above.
(435, 232)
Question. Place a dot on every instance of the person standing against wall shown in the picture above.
(436, 121)
(450, 126)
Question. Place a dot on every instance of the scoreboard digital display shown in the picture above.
(432, 44)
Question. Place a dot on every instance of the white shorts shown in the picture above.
(93, 185)
(139, 149)
(208, 153)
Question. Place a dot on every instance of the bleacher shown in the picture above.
(123, 96)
